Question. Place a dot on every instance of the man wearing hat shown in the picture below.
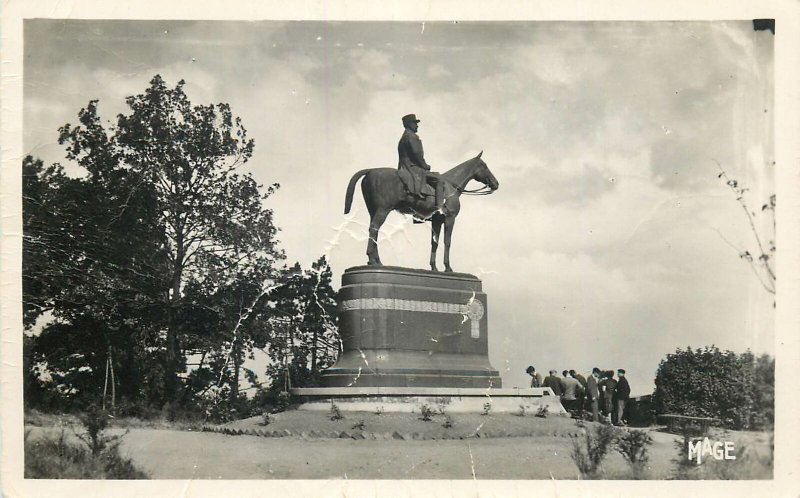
(622, 392)
(593, 393)
(412, 160)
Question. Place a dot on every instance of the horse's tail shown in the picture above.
(351, 187)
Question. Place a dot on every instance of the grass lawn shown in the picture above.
(517, 447)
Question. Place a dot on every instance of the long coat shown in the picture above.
(553, 383)
(592, 391)
(623, 389)
(412, 161)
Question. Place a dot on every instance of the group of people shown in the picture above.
(598, 393)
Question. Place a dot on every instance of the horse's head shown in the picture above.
(483, 174)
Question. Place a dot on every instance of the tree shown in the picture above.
(760, 261)
(707, 382)
(304, 335)
(93, 266)
(163, 213)
(764, 391)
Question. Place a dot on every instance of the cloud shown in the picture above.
(608, 227)
(436, 71)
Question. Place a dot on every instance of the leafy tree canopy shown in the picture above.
(163, 227)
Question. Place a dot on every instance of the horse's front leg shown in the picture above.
(436, 230)
(374, 229)
(448, 233)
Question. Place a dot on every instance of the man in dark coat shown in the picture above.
(593, 393)
(621, 393)
(609, 388)
(412, 161)
(553, 382)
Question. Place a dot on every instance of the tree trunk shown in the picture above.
(171, 381)
(235, 380)
(314, 352)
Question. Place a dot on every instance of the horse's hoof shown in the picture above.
(433, 268)
(448, 270)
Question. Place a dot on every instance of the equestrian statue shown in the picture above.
(414, 189)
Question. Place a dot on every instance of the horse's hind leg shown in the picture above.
(375, 222)
(449, 222)
(436, 229)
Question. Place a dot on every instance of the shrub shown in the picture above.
(426, 412)
(266, 419)
(749, 464)
(95, 421)
(335, 413)
(359, 425)
(684, 468)
(487, 407)
(218, 405)
(543, 411)
(521, 412)
(448, 422)
(379, 410)
(54, 457)
(632, 445)
(589, 454)
(707, 382)
(282, 402)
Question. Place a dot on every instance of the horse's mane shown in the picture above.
(454, 171)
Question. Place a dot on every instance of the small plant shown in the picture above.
(359, 425)
(379, 410)
(282, 402)
(684, 468)
(487, 407)
(426, 412)
(521, 412)
(448, 422)
(335, 413)
(543, 411)
(266, 419)
(96, 421)
(749, 464)
(588, 455)
(633, 447)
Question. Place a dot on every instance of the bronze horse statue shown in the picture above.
(384, 191)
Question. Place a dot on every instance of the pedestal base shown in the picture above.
(394, 400)
(412, 328)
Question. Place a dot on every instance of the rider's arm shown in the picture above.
(416, 151)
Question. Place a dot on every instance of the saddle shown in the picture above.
(409, 180)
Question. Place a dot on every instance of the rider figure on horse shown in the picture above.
(412, 160)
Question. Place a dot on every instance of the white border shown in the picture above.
(787, 135)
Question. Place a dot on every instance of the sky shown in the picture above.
(611, 241)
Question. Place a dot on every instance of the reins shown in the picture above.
(484, 190)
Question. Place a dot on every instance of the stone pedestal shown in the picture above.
(412, 328)
(412, 399)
